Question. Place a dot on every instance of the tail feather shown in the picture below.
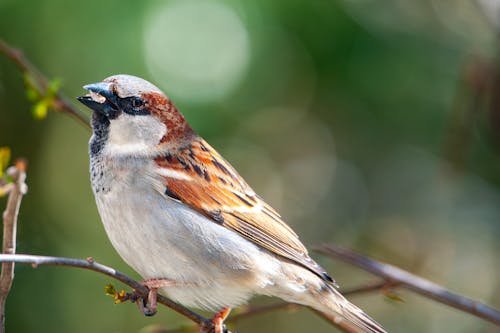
(334, 303)
(324, 297)
(356, 316)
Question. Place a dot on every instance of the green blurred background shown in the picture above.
(369, 124)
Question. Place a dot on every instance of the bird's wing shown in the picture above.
(199, 177)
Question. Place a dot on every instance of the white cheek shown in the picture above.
(134, 134)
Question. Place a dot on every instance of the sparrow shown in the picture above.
(182, 217)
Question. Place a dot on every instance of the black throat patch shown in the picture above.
(100, 126)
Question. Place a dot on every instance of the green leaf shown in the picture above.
(393, 296)
(28, 79)
(4, 159)
(43, 100)
(31, 94)
(40, 109)
(110, 290)
(53, 87)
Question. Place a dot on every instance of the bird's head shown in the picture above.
(132, 116)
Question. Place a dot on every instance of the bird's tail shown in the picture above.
(360, 319)
(322, 296)
(338, 306)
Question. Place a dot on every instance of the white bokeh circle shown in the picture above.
(196, 50)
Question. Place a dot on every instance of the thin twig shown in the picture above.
(90, 264)
(366, 288)
(334, 320)
(249, 311)
(16, 192)
(60, 103)
(338, 322)
(413, 282)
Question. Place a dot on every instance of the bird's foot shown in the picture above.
(148, 305)
(218, 320)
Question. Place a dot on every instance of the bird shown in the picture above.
(183, 218)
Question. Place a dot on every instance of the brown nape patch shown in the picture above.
(165, 110)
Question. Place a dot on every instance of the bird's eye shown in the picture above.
(137, 102)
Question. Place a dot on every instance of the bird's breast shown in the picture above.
(159, 236)
(164, 238)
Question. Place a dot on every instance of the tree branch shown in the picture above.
(412, 282)
(60, 102)
(205, 324)
(248, 311)
(16, 192)
(338, 322)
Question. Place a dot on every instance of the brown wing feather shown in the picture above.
(220, 193)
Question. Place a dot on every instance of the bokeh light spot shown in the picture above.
(198, 51)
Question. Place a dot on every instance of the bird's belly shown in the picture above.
(161, 238)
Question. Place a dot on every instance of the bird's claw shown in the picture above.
(218, 320)
(148, 305)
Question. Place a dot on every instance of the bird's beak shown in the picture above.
(101, 98)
